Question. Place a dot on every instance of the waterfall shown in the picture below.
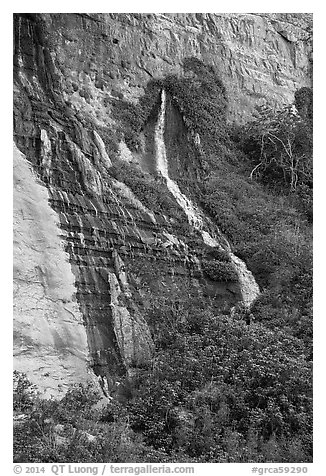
(248, 286)
(192, 213)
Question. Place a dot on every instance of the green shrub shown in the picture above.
(219, 271)
(304, 103)
(218, 254)
(57, 431)
(201, 98)
(279, 146)
(234, 393)
(152, 192)
(132, 117)
(24, 392)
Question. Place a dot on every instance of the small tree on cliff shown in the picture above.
(304, 103)
(201, 97)
(280, 143)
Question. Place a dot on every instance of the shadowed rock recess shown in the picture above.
(88, 249)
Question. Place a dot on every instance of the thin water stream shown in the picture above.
(249, 287)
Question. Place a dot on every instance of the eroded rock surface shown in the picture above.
(50, 343)
(260, 57)
(126, 256)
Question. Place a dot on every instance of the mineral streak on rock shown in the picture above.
(50, 342)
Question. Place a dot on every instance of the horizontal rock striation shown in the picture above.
(126, 257)
(50, 343)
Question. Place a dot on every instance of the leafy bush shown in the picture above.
(218, 254)
(133, 116)
(279, 145)
(229, 381)
(201, 98)
(199, 95)
(24, 392)
(267, 232)
(219, 271)
(218, 391)
(73, 429)
(304, 103)
(152, 192)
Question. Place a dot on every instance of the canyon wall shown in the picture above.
(128, 258)
(50, 342)
(260, 57)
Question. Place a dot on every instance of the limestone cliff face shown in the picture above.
(127, 257)
(50, 342)
(261, 58)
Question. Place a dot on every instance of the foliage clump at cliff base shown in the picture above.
(218, 391)
(222, 391)
(265, 212)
